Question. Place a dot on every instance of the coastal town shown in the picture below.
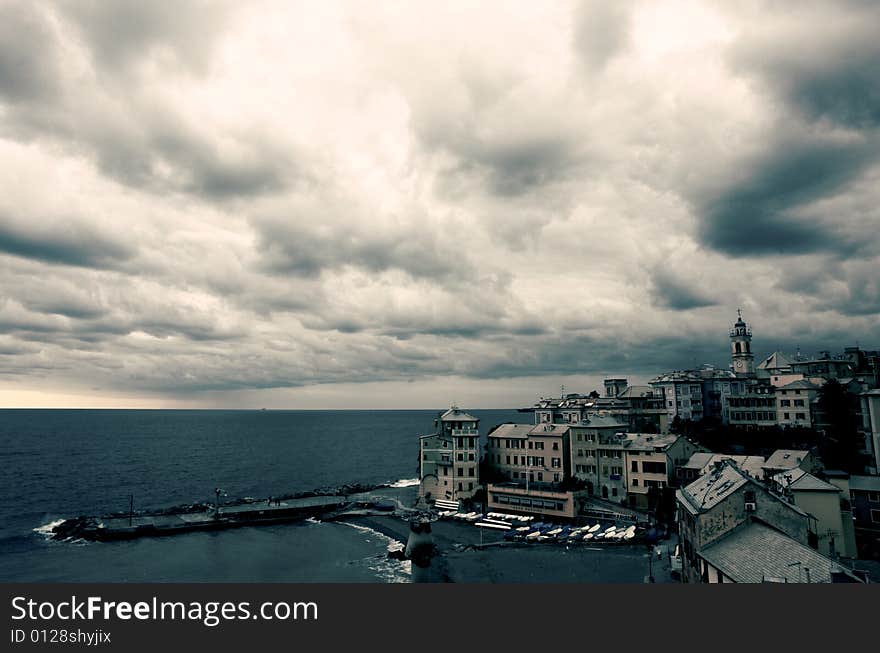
(763, 472)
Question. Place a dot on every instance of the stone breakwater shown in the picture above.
(210, 516)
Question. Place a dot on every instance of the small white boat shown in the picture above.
(610, 529)
(628, 535)
(588, 536)
(598, 536)
(523, 529)
(555, 531)
(533, 535)
(594, 528)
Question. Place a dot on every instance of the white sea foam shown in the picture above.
(46, 529)
(387, 569)
(405, 482)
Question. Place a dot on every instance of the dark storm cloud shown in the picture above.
(848, 95)
(824, 73)
(68, 307)
(28, 61)
(65, 242)
(601, 30)
(304, 247)
(133, 136)
(756, 216)
(122, 32)
(850, 287)
(601, 355)
(509, 167)
(833, 75)
(676, 294)
(12, 347)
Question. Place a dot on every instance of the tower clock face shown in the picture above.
(739, 364)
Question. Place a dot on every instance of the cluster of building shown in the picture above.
(741, 518)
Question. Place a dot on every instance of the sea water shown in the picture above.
(56, 464)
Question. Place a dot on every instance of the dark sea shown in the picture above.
(56, 464)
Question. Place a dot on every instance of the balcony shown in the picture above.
(466, 433)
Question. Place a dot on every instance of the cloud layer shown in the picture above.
(220, 205)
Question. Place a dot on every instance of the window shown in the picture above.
(555, 446)
(540, 476)
(635, 482)
(470, 486)
(556, 463)
(530, 444)
(460, 456)
(635, 468)
(875, 516)
(799, 402)
(470, 471)
(580, 437)
(653, 468)
(471, 457)
(508, 459)
(556, 480)
(800, 416)
(461, 486)
(460, 472)
(614, 491)
(874, 497)
(785, 402)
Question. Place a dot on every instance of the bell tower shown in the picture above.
(741, 347)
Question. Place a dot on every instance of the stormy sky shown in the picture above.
(405, 204)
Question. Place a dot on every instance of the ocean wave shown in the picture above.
(46, 529)
(388, 570)
(405, 482)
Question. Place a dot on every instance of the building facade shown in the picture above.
(450, 457)
(723, 500)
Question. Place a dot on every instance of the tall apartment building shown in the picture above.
(530, 464)
(450, 457)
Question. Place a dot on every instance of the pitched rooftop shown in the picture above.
(798, 479)
(512, 431)
(712, 488)
(456, 414)
(755, 552)
(786, 459)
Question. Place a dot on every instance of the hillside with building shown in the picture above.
(759, 469)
